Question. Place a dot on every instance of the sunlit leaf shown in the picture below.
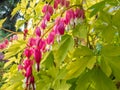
(110, 50)
(95, 80)
(114, 63)
(79, 66)
(97, 7)
(65, 45)
(105, 67)
(82, 51)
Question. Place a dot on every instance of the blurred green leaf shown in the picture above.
(114, 63)
(108, 34)
(115, 19)
(97, 8)
(80, 31)
(65, 45)
(61, 85)
(48, 60)
(79, 66)
(105, 67)
(82, 51)
(110, 50)
(95, 80)
(9, 62)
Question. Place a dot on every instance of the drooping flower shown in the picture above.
(79, 13)
(32, 42)
(32, 81)
(41, 44)
(37, 56)
(27, 62)
(51, 37)
(59, 28)
(43, 24)
(69, 16)
(29, 71)
(28, 52)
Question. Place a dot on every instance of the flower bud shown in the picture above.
(37, 56)
(43, 24)
(38, 32)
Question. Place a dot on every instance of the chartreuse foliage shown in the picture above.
(86, 58)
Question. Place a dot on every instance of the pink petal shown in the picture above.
(37, 55)
(61, 28)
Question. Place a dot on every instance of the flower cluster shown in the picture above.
(5, 43)
(73, 17)
(27, 66)
(33, 54)
(38, 45)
